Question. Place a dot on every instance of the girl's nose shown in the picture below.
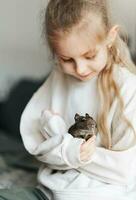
(82, 68)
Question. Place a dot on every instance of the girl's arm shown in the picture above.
(115, 167)
(118, 166)
(59, 150)
(49, 141)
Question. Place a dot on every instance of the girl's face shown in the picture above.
(81, 55)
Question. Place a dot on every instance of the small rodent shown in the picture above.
(84, 127)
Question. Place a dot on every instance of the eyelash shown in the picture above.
(91, 58)
(70, 60)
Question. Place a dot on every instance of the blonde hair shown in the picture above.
(63, 15)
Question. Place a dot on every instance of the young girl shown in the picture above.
(93, 74)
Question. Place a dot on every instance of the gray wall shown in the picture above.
(21, 48)
(124, 13)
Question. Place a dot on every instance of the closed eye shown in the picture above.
(91, 58)
(69, 60)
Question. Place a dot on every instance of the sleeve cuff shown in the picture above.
(71, 152)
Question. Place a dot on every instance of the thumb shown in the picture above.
(90, 140)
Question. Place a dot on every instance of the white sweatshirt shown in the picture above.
(108, 174)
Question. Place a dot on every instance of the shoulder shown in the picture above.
(42, 97)
(46, 89)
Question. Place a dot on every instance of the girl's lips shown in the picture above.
(87, 75)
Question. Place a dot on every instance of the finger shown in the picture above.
(88, 151)
(91, 139)
(88, 147)
(87, 144)
(86, 156)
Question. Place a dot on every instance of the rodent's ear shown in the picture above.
(77, 116)
(87, 115)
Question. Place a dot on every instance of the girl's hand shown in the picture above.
(87, 149)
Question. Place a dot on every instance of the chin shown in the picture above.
(87, 77)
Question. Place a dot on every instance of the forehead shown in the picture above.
(78, 42)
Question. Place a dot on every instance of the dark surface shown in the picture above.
(17, 166)
(12, 108)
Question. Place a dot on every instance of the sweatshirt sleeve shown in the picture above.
(48, 139)
(112, 167)
(118, 165)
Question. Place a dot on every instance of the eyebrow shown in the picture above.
(90, 51)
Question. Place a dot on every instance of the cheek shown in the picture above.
(101, 61)
(67, 68)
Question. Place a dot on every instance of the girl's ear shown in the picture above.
(112, 35)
